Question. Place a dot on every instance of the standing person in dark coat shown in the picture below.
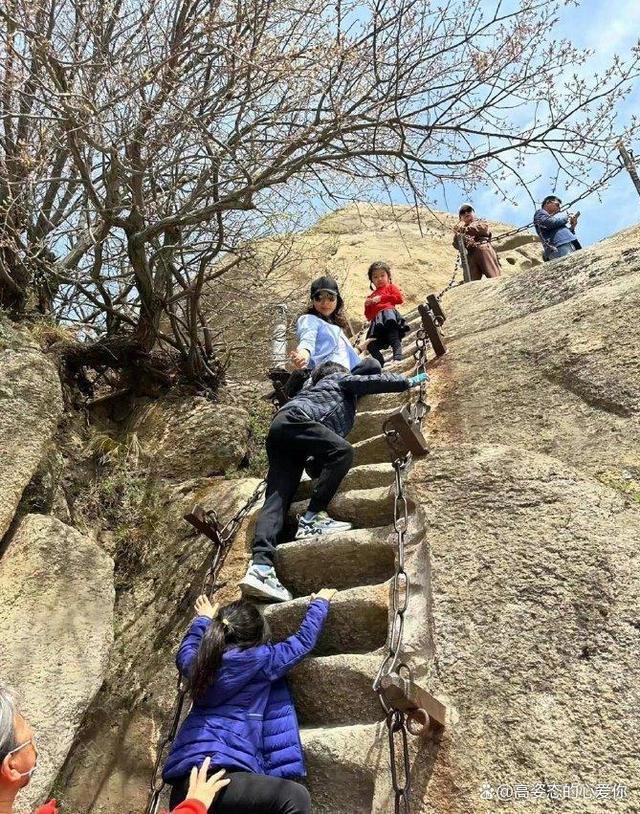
(555, 229)
(313, 423)
(482, 257)
(243, 719)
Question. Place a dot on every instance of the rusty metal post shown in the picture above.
(431, 330)
(439, 316)
(630, 165)
(407, 430)
(466, 274)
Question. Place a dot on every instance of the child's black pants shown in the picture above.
(250, 793)
(392, 339)
(292, 439)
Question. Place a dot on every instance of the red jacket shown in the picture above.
(189, 807)
(186, 807)
(390, 297)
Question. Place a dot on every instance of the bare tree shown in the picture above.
(147, 146)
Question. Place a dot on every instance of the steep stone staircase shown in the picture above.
(343, 733)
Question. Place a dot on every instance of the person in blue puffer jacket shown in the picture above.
(243, 718)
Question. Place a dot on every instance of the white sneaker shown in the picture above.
(321, 524)
(260, 584)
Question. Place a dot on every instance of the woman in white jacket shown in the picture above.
(320, 331)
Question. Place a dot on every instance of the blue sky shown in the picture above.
(607, 28)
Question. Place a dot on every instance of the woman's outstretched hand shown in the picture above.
(203, 789)
(205, 608)
(324, 593)
(299, 358)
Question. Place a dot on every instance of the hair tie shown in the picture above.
(225, 622)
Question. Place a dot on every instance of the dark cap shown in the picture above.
(324, 284)
(465, 208)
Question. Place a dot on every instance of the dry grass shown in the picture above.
(48, 333)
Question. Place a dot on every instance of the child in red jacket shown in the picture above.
(387, 326)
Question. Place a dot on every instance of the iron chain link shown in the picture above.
(396, 720)
(452, 282)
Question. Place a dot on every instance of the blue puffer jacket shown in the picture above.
(246, 719)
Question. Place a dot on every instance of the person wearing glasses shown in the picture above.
(556, 229)
(321, 329)
(18, 755)
(482, 257)
(19, 759)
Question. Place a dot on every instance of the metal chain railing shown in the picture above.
(231, 527)
(223, 538)
(420, 407)
(395, 719)
(453, 282)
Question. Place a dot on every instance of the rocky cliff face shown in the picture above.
(531, 503)
(524, 521)
(56, 584)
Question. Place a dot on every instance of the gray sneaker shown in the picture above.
(264, 585)
(321, 524)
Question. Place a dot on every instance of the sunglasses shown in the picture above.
(324, 296)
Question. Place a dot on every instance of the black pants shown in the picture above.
(292, 439)
(392, 339)
(250, 793)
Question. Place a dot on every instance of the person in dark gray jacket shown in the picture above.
(314, 424)
(556, 229)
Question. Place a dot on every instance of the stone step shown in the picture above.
(342, 763)
(368, 423)
(374, 450)
(386, 401)
(336, 690)
(405, 368)
(358, 477)
(359, 557)
(357, 621)
(365, 508)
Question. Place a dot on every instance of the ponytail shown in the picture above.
(208, 659)
(238, 624)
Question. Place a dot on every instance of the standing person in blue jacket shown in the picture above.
(313, 423)
(243, 718)
(555, 229)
